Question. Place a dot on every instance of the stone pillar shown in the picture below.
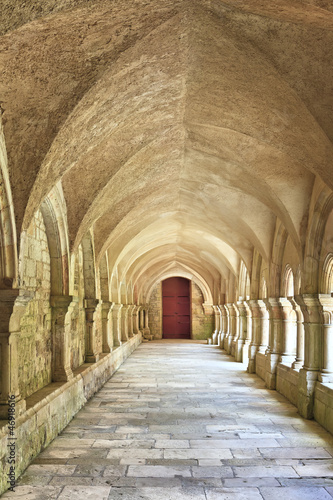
(298, 363)
(255, 342)
(289, 332)
(275, 341)
(124, 323)
(106, 330)
(227, 329)
(12, 309)
(217, 325)
(92, 356)
(264, 327)
(242, 329)
(313, 330)
(232, 326)
(130, 320)
(146, 329)
(220, 332)
(116, 318)
(136, 319)
(224, 326)
(326, 374)
(248, 334)
(61, 363)
(236, 331)
(141, 319)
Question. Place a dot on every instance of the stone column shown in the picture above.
(326, 374)
(242, 329)
(227, 330)
(146, 329)
(136, 313)
(236, 331)
(116, 318)
(106, 330)
(130, 321)
(12, 309)
(224, 326)
(313, 331)
(232, 326)
(255, 337)
(298, 363)
(92, 356)
(275, 341)
(61, 363)
(219, 333)
(248, 334)
(217, 325)
(124, 323)
(264, 327)
(289, 332)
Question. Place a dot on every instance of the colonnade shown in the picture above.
(118, 323)
(296, 332)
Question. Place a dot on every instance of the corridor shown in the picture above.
(182, 420)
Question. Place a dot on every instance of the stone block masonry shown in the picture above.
(52, 408)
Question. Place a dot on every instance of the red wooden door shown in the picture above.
(176, 308)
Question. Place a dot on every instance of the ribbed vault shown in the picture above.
(178, 135)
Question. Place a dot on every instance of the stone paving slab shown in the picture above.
(184, 422)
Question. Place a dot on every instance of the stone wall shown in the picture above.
(202, 323)
(49, 412)
(155, 311)
(35, 337)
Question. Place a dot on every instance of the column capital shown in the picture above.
(116, 307)
(61, 301)
(207, 307)
(90, 303)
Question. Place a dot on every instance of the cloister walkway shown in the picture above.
(182, 420)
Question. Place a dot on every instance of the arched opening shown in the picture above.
(176, 307)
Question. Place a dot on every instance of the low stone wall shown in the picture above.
(52, 408)
(261, 365)
(287, 383)
(323, 405)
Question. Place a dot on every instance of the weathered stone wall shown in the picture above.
(155, 311)
(202, 324)
(35, 337)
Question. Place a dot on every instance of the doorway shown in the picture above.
(176, 306)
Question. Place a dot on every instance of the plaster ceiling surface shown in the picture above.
(180, 130)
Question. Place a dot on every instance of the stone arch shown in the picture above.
(311, 269)
(89, 266)
(54, 217)
(198, 280)
(103, 278)
(279, 244)
(288, 287)
(8, 243)
(326, 281)
(243, 282)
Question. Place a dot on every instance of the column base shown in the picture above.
(252, 351)
(306, 388)
(92, 358)
(239, 350)
(272, 361)
(63, 375)
(20, 407)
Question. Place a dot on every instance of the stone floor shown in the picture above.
(182, 420)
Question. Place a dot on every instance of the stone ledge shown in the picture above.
(53, 407)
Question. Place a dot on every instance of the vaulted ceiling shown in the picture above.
(180, 130)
